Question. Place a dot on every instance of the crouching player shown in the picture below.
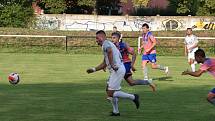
(125, 51)
(208, 65)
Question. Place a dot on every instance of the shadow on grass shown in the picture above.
(86, 102)
(166, 78)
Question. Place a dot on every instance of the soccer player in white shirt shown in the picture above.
(113, 61)
(191, 45)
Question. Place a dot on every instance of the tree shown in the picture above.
(140, 3)
(53, 6)
(16, 13)
(195, 7)
(206, 7)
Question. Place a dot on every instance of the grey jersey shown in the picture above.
(117, 58)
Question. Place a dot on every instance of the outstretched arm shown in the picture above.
(195, 74)
(99, 67)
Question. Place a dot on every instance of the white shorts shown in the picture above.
(191, 55)
(116, 78)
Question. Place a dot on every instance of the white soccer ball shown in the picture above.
(14, 78)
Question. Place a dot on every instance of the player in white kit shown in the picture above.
(191, 45)
(113, 61)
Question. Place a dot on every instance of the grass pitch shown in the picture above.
(55, 87)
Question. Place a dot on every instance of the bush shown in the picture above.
(16, 15)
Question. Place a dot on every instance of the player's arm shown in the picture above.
(110, 58)
(151, 38)
(185, 50)
(131, 51)
(195, 74)
(99, 67)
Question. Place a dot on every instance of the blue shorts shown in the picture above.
(213, 90)
(149, 57)
(127, 67)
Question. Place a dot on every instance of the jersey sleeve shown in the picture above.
(204, 67)
(106, 46)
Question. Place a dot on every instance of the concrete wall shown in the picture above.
(123, 23)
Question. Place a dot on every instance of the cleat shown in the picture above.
(136, 100)
(114, 114)
(152, 85)
(167, 71)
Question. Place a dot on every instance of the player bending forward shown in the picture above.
(208, 65)
(113, 61)
(125, 50)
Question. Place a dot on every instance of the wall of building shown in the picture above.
(123, 23)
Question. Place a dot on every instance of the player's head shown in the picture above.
(114, 29)
(200, 56)
(145, 28)
(189, 31)
(100, 37)
(115, 37)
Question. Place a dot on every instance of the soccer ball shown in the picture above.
(14, 78)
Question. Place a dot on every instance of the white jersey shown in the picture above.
(117, 57)
(191, 41)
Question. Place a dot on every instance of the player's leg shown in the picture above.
(152, 59)
(191, 60)
(211, 96)
(145, 60)
(114, 84)
(133, 82)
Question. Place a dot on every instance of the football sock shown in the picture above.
(145, 73)
(141, 82)
(121, 94)
(193, 67)
(114, 103)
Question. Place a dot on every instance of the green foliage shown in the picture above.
(194, 7)
(90, 3)
(53, 6)
(206, 8)
(16, 14)
(140, 3)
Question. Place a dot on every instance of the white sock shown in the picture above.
(145, 73)
(193, 67)
(121, 94)
(114, 103)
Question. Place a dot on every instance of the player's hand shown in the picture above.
(104, 69)
(133, 69)
(114, 67)
(91, 70)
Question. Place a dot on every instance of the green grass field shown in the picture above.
(55, 87)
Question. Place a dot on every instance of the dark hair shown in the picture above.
(146, 25)
(100, 32)
(200, 52)
(115, 27)
(189, 29)
(118, 34)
